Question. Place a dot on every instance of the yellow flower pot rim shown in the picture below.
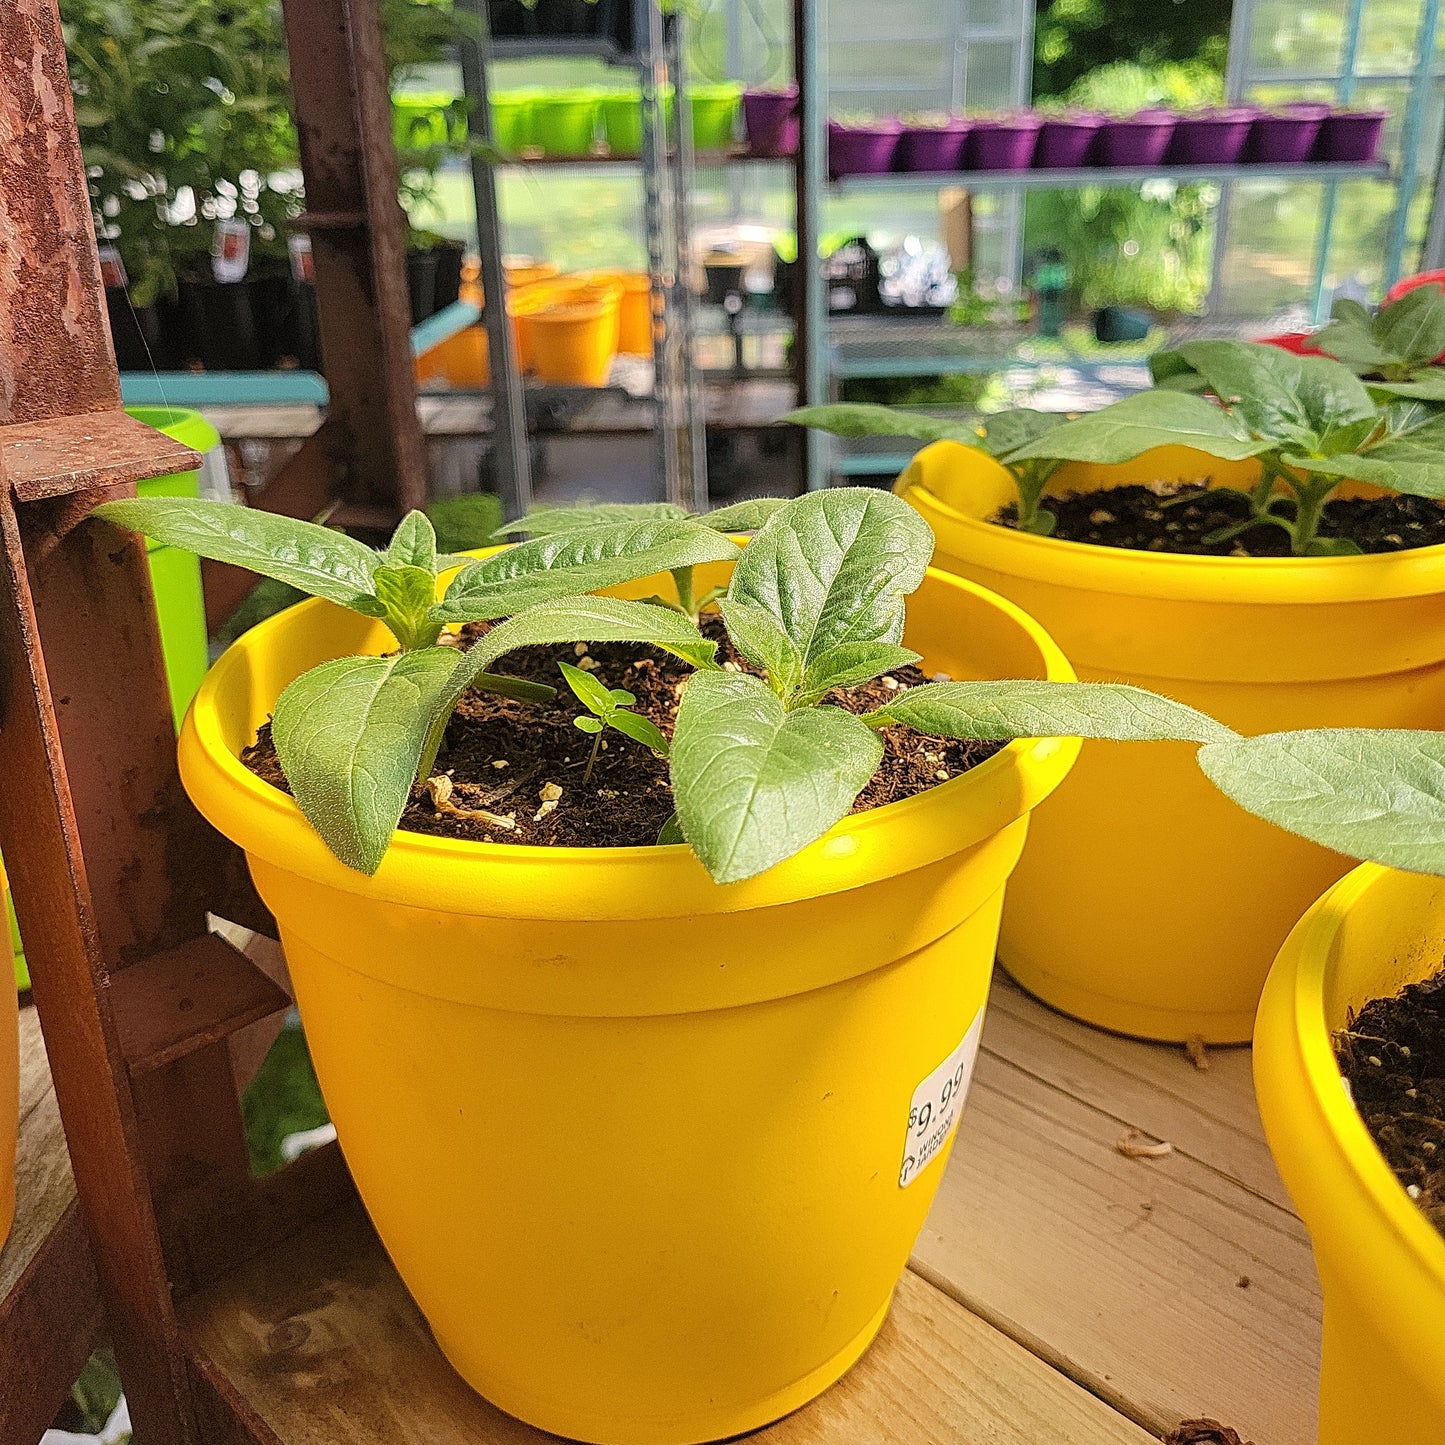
(858, 849)
(1183, 577)
(1337, 1134)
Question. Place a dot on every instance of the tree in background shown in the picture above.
(1073, 37)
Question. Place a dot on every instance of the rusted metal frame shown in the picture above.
(358, 240)
(40, 837)
(55, 351)
(50, 1322)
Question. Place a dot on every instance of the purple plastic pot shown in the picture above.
(1350, 137)
(770, 121)
(933, 147)
(1135, 140)
(1285, 137)
(1002, 145)
(1210, 137)
(862, 150)
(1065, 141)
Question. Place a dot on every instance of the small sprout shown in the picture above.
(607, 708)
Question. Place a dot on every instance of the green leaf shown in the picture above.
(849, 664)
(1023, 708)
(1415, 456)
(321, 562)
(551, 521)
(869, 419)
(1007, 431)
(759, 636)
(1413, 328)
(1126, 429)
(1428, 384)
(349, 735)
(1377, 795)
(588, 723)
(407, 595)
(639, 729)
(575, 562)
(754, 783)
(1284, 398)
(414, 543)
(835, 566)
(745, 516)
(670, 832)
(588, 691)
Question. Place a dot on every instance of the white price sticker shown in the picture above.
(937, 1103)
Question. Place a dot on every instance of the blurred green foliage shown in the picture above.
(1073, 37)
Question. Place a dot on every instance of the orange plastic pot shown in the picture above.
(635, 313)
(9, 1072)
(568, 329)
(1147, 902)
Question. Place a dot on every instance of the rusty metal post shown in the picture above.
(358, 240)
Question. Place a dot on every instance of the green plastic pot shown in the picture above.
(512, 122)
(418, 119)
(176, 581)
(564, 122)
(715, 115)
(622, 119)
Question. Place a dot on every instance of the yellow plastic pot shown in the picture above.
(568, 329)
(1148, 902)
(9, 1074)
(1381, 1262)
(634, 1140)
(635, 309)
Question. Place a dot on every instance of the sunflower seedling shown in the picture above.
(607, 708)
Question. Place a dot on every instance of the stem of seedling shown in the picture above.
(1030, 479)
(1312, 497)
(682, 580)
(592, 758)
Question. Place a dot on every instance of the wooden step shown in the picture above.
(60, 455)
(49, 1299)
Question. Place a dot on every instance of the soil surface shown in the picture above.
(499, 756)
(1177, 519)
(1393, 1055)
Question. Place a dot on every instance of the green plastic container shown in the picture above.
(715, 115)
(512, 125)
(176, 580)
(418, 119)
(564, 122)
(622, 119)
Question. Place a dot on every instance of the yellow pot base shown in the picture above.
(706, 1425)
(1127, 1016)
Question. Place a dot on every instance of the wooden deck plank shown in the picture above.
(1211, 1115)
(1125, 1273)
(323, 1343)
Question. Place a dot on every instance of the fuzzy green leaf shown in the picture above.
(1024, 708)
(759, 636)
(349, 735)
(1413, 328)
(754, 783)
(1377, 795)
(319, 561)
(575, 562)
(869, 419)
(835, 566)
(745, 516)
(1427, 384)
(670, 832)
(551, 521)
(1411, 457)
(407, 595)
(1126, 429)
(1008, 431)
(414, 543)
(850, 664)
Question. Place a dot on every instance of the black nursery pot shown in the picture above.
(421, 284)
(144, 337)
(221, 325)
(275, 315)
(449, 275)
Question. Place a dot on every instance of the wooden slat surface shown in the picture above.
(1126, 1273)
(1060, 1292)
(44, 1187)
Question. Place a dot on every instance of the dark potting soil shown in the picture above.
(1393, 1054)
(1177, 519)
(499, 756)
